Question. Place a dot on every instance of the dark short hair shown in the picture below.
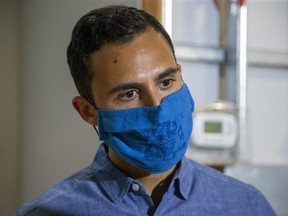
(115, 24)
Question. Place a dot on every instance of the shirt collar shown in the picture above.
(114, 182)
(184, 178)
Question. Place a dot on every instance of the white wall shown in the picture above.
(267, 87)
(9, 105)
(267, 115)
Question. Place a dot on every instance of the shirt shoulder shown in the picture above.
(91, 191)
(210, 176)
(57, 192)
(216, 189)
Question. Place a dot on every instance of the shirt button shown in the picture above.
(135, 187)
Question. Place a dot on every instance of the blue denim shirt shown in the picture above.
(102, 189)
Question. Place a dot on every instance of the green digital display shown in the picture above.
(213, 127)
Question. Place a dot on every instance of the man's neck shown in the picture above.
(156, 185)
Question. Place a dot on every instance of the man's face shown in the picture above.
(139, 73)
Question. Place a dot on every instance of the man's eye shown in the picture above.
(128, 95)
(166, 83)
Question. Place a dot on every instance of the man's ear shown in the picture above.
(85, 110)
(179, 68)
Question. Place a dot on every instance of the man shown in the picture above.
(132, 92)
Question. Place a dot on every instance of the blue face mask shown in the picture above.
(153, 139)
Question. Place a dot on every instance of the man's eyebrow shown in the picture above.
(125, 86)
(166, 73)
(136, 85)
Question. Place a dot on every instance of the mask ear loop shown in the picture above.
(97, 132)
(94, 105)
(105, 145)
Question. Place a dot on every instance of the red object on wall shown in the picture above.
(216, 2)
(241, 2)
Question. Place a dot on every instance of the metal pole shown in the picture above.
(167, 16)
(241, 80)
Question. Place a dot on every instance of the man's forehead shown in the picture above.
(147, 47)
